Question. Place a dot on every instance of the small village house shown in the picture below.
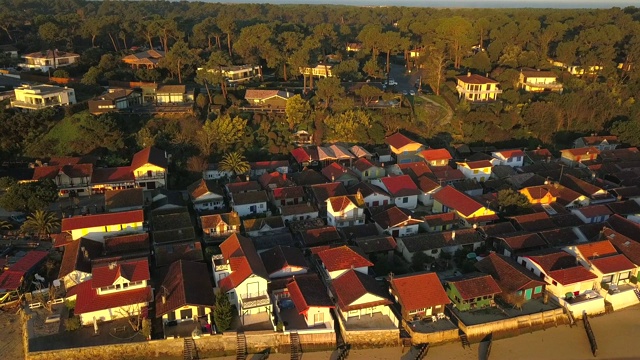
(206, 195)
(512, 278)
(36, 97)
(115, 100)
(404, 149)
(273, 99)
(373, 195)
(220, 225)
(250, 203)
(436, 157)
(101, 224)
(396, 221)
(420, 295)
(476, 170)
(46, 60)
(512, 158)
(149, 167)
(148, 59)
(284, 261)
(536, 80)
(472, 291)
(402, 189)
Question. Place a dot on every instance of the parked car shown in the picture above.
(411, 92)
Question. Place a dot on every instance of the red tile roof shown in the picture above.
(269, 165)
(593, 211)
(415, 169)
(475, 286)
(341, 258)
(186, 283)
(436, 154)
(335, 171)
(112, 175)
(126, 243)
(596, 249)
(251, 197)
(477, 164)
(524, 242)
(324, 191)
(475, 79)
(612, 264)
(352, 285)
(376, 243)
(597, 140)
(508, 154)
(243, 259)
(572, 275)
(281, 257)
(581, 151)
(133, 270)
(29, 261)
(447, 173)
(363, 164)
(291, 192)
(302, 155)
(308, 291)
(340, 203)
(203, 187)
(88, 299)
(395, 217)
(320, 236)
(72, 171)
(11, 280)
(399, 186)
(149, 155)
(99, 220)
(629, 247)
(509, 275)
(442, 219)
(535, 222)
(75, 259)
(274, 178)
(243, 186)
(419, 291)
(454, 199)
(561, 266)
(367, 189)
(398, 140)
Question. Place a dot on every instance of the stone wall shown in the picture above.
(432, 338)
(537, 320)
(207, 346)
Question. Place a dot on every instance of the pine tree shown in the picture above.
(222, 314)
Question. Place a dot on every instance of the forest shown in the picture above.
(283, 38)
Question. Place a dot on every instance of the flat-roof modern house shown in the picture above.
(45, 60)
(36, 97)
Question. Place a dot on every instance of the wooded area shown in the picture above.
(283, 38)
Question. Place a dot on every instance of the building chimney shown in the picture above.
(469, 74)
(453, 235)
(164, 299)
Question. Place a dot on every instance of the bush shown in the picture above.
(633, 279)
(72, 324)
(223, 312)
(61, 74)
(70, 304)
(605, 286)
(146, 328)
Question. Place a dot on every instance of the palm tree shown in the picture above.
(40, 222)
(235, 163)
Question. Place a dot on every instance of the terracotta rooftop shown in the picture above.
(121, 174)
(524, 242)
(77, 256)
(290, 192)
(398, 140)
(308, 291)
(376, 243)
(419, 291)
(29, 261)
(268, 180)
(395, 217)
(88, 300)
(184, 285)
(167, 254)
(203, 187)
(271, 222)
(150, 155)
(124, 199)
(252, 197)
(509, 275)
(475, 79)
(442, 219)
(399, 186)
(353, 285)
(320, 236)
(341, 203)
(244, 261)
(212, 221)
(454, 199)
(99, 220)
(243, 186)
(627, 246)
(594, 211)
(308, 177)
(281, 257)
(436, 154)
(341, 258)
(335, 171)
(534, 222)
(474, 285)
(367, 189)
(596, 249)
(132, 270)
(612, 264)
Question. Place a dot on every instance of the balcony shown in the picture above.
(220, 264)
(462, 90)
(253, 300)
(550, 86)
(32, 106)
(156, 176)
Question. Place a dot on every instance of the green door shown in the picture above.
(527, 294)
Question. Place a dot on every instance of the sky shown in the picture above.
(458, 3)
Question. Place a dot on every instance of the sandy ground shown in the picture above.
(10, 336)
(616, 335)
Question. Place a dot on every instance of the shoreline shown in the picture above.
(616, 335)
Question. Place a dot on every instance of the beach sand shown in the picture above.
(616, 335)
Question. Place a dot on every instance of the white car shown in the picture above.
(404, 92)
(411, 92)
(392, 82)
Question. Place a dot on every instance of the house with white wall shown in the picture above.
(284, 261)
(116, 290)
(479, 170)
(36, 97)
(206, 195)
(513, 158)
(373, 195)
(240, 273)
(346, 210)
(402, 189)
(359, 296)
(250, 203)
(338, 260)
(185, 294)
(396, 221)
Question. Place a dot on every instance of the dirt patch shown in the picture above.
(10, 336)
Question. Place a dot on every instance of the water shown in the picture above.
(561, 4)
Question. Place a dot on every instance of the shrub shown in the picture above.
(72, 323)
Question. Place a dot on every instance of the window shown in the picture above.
(318, 318)
(434, 251)
(475, 171)
(537, 290)
(366, 173)
(405, 200)
(607, 279)
(624, 275)
(186, 314)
